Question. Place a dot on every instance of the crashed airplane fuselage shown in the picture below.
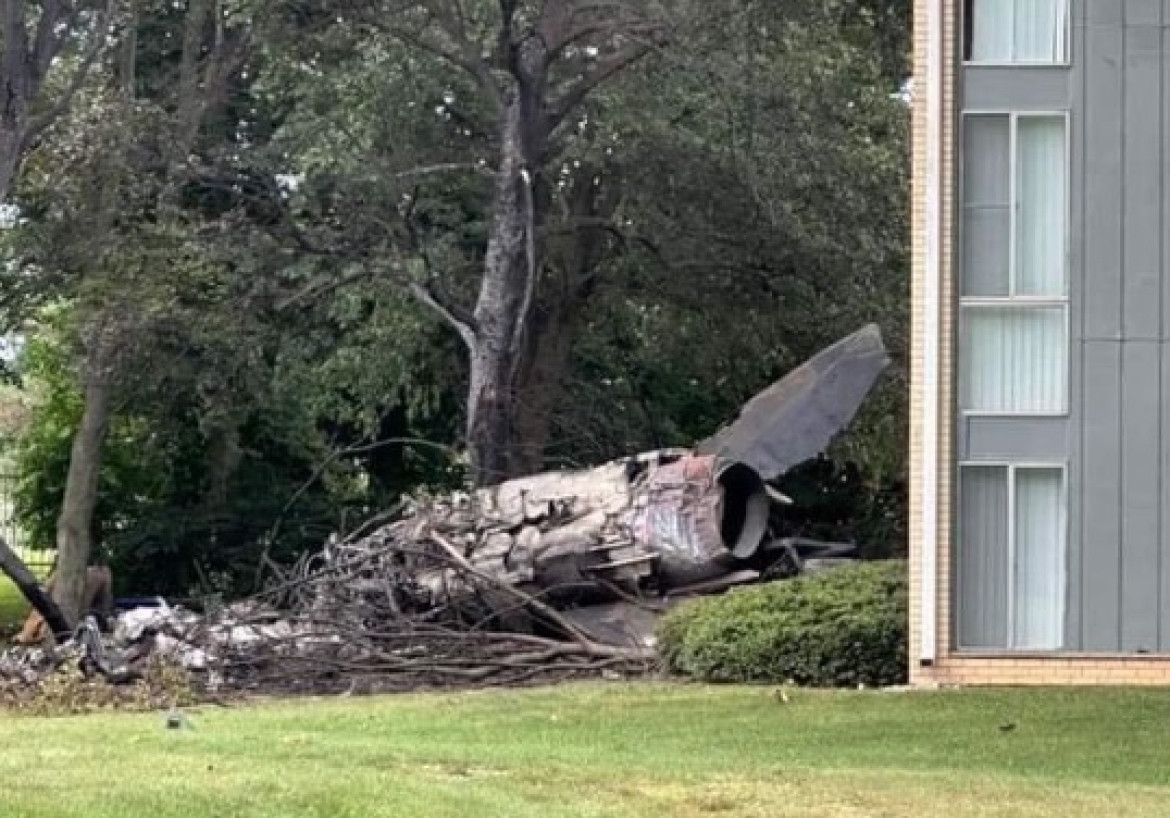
(656, 525)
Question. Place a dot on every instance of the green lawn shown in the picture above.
(619, 750)
(13, 607)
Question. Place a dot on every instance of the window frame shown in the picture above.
(1062, 302)
(966, 43)
(1011, 467)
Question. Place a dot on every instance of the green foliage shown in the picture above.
(763, 170)
(842, 628)
(157, 519)
(847, 501)
(43, 450)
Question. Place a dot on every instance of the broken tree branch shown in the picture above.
(426, 294)
(546, 612)
(429, 293)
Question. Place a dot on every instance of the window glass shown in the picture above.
(1038, 608)
(1041, 214)
(1013, 359)
(1014, 331)
(1017, 31)
(986, 205)
(990, 30)
(1011, 557)
(982, 557)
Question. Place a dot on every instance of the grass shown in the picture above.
(13, 607)
(618, 750)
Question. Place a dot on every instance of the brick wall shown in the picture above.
(918, 276)
(1046, 670)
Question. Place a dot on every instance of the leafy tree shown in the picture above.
(101, 233)
(152, 519)
(669, 156)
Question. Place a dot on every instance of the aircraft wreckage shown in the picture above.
(564, 571)
(654, 527)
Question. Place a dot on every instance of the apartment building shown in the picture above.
(1040, 538)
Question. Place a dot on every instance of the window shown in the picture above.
(1014, 272)
(1011, 573)
(1016, 31)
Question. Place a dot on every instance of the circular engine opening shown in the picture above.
(744, 514)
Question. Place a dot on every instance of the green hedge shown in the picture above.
(844, 627)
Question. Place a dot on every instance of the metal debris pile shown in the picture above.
(543, 578)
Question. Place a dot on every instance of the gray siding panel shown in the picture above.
(1164, 216)
(1106, 13)
(1143, 185)
(1116, 439)
(1044, 440)
(1140, 524)
(1100, 499)
(1143, 12)
(1016, 89)
(1073, 618)
(1162, 567)
(1102, 121)
(1141, 466)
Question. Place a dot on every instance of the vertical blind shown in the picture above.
(1038, 605)
(981, 567)
(1015, 360)
(1009, 31)
(1041, 199)
(1013, 350)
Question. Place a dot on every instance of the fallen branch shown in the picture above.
(546, 612)
(27, 584)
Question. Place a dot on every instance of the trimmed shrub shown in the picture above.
(845, 627)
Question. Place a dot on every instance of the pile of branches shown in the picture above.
(355, 616)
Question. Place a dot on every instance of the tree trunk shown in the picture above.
(506, 295)
(540, 382)
(10, 156)
(572, 265)
(224, 456)
(74, 525)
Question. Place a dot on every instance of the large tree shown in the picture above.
(47, 51)
(105, 206)
(518, 77)
(536, 63)
(527, 168)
